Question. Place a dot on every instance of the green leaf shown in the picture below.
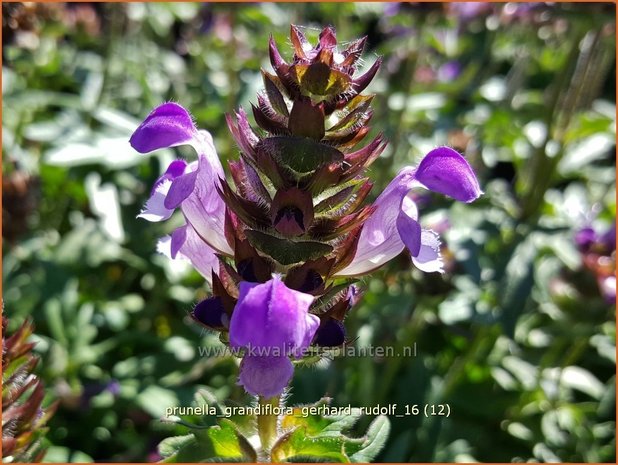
(377, 434)
(313, 424)
(219, 442)
(517, 284)
(296, 445)
(187, 449)
(228, 443)
(170, 446)
(343, 422)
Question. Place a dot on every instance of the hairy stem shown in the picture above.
(267, 425)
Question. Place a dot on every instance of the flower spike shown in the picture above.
(279, 240)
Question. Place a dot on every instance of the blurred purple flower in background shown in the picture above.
(599, 256)
(469, 10)
(94, 389)
(449, 71)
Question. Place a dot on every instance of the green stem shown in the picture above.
(542, 167)
(267, 424)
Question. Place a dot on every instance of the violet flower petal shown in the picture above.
(272, 322)
(195, 190)
(445, 171)
(379, 240)
(185, 244)
(204, 208)
(449, 71)
(394, 224)
(156, 208)
(265, 376)
(585, 237)
(429, 258)
(273, 317)
(168, 125)
(175, 169)
(408, 227)
(181, 188)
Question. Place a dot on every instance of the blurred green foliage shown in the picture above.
(516, 337)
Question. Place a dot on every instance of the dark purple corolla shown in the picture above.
(272, 323)
(394, 225)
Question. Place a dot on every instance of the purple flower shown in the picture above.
(469, 10)
(211, 313)
(585, 238)
(272, 323)
(394, 224)
(93, 389)
(295, 206)
(608, 239)
(449, 71)
(331, 333)
(155, 209)
(193, 186)
(589, 239)
(186, 244)
(598, 255)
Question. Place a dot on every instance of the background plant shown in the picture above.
(520, 322)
